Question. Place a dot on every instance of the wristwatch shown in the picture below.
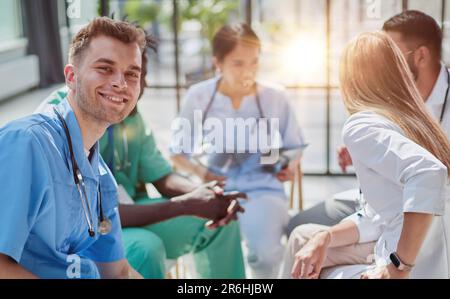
(397, 262)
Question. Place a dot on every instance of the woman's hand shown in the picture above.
(309, 260)
(385, 272)
(288, 173)
(344, 158)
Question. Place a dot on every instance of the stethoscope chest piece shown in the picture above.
(104, 226)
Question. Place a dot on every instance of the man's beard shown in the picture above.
(92, 109)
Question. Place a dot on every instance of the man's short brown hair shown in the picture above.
(419, 27)
(120, 30)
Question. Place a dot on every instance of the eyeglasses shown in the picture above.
(412, 51)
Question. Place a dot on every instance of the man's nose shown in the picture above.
(119, 82)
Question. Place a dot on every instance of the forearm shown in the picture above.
(184, 163)
(174, 185)
(414, 231)
(9, 269)
(343, 234)
(140, 215)
(133, 274)
(118, 270)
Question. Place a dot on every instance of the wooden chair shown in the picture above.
(297, 181)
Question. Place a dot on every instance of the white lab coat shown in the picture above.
(435, 102)
(396, 176)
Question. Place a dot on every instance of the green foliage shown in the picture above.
(212, 14)
(143, 12)
(99, 7)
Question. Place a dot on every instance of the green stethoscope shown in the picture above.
(124, 163)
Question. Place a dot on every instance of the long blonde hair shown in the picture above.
(374, 76)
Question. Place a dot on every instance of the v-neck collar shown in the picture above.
(88, 168)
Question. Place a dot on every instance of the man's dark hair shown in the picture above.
(150, 43)
(418, 27)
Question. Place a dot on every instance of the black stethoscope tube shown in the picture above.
(78, 179)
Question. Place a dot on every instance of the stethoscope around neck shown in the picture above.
(104, 224)
(213, 97)
(211, 102)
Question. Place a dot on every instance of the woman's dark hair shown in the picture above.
(229, 36)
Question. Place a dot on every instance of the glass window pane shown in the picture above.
(293, 40)
(10, 20)
(80, 12)
(430, 7)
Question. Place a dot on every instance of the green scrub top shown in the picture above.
(134, 158)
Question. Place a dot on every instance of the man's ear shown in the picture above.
(423, 56)
(69, 74)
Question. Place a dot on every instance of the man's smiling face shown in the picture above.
(108, 79)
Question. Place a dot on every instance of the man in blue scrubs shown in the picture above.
(49, 226)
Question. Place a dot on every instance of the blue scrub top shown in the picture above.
(247, 175)
(42, 220)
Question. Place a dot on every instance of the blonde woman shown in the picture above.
(401, 157)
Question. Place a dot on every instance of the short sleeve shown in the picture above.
(24, 186)
(370, 226)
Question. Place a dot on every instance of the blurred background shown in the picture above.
(302, 41)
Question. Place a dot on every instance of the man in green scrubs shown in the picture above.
(156, 229)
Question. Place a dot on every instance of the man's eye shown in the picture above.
(133, 75)
(105, 68)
